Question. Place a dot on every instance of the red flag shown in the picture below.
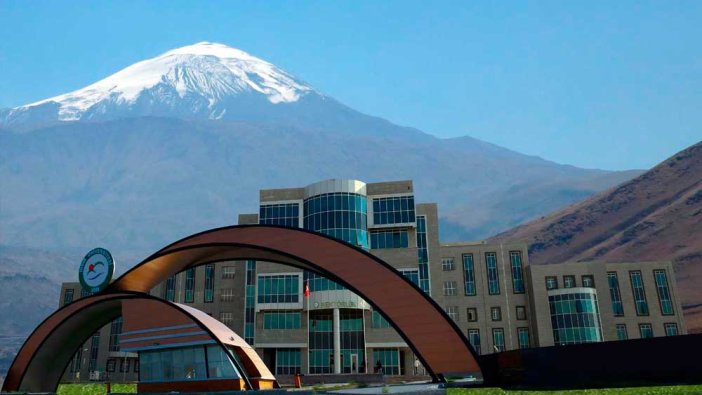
(307, 289)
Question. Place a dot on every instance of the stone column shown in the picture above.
(337, 342)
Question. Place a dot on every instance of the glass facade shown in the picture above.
(393, 210)
(94, 348)
(185, 363)
(250, 302)
(663, 292)
(388, 359)
(523, 337)
(190, 285)
(286, 214)
(423, 254)
(278, 288)
(645, 331)
(352, 340)
(282, 320)
(498, 339)
(209, 283)
(321, 342)
(621, 332)
(341, 215)
(515, 258)
(575, 318)
(468, 275)
(389, 239)
(287, 361)
(319, 283)
(474, 339)
(492, 273)
(115, 331)
(637, 287)
(615, 294)
(377, 320)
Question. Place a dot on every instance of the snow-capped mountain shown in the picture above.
(204, 80)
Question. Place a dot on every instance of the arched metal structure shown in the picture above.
(426, 328)
(43, 358)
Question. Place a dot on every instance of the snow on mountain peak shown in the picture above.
(210, 71)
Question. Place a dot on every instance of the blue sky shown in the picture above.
(610, 84)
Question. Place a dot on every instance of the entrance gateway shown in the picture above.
(425, 327)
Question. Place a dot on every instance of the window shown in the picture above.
(575, 317)
(496, 313)
(286, 214)
(469, 274)
(588, 281)
(124, 364)
(94, 348)
(228, 271)
(110, 365)
(209, 283)
(474, 339)
(551, 282)
(250, 302)
(663, 292)
(621, 332)
(190, 285)
(411, 274)
(452, 312)
(280, 288)
(389, 358)
(637, 288)
(523, 337)
(226, 294)
(377, 321)
(472, 314)
(515, 258)
(169, 290)
(282, 320)
(115, 332)
(450, 288)
(393, 210)
(493, 276)
(646, 331)
(521, 313)
(389, 239)
(67, 296)
(671, 329)
(423, 254)
(568, 281)
(447, 264)
(226, 318)
(136, 366)
(287, 361)
(75, 364)
(615, 295)
(498, 339)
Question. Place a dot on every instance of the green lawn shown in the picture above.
(667, 390)
(93, 389)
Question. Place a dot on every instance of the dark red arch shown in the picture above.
(423, 324)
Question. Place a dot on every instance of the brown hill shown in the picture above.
(656, 216)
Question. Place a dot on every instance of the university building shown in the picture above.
(300, 322)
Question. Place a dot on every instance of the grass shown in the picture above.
(93, 389)
(665, 390)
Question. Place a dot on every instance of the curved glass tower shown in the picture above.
(575, 316)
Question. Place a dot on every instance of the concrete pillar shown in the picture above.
(337, 342)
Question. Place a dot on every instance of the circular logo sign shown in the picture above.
(96, 270)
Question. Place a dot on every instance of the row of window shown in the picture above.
(495, 313)
(587, 281)
(124, 365)
(286, 214)
(393, 210)
(639, 293)
(282, 320)
(498, 339)
(646, 330)
(493, 276)
(397, 238)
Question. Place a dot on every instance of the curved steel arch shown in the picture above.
(427, 329)
(44, 356)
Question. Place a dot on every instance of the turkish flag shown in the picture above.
(307, 289)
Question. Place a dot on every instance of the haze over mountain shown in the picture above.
(183, 142)
(656, 216)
